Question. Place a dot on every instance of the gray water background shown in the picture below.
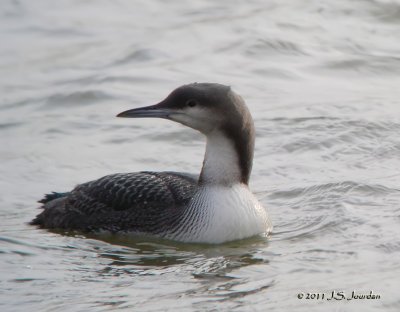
(321, 79)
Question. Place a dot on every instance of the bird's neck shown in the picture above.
(223, 161)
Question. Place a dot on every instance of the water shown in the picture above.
(322, 81)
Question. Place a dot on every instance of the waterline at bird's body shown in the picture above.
(218, 214)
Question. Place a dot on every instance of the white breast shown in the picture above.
(218, 214)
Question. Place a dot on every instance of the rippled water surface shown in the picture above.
(322, 81)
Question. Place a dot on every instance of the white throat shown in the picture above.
(221, 161)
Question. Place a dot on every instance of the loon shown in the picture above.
(215, 207)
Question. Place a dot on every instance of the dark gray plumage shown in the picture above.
(140, 201)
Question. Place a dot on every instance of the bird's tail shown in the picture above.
(52, 196)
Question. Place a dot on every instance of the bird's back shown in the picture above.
(149, 202)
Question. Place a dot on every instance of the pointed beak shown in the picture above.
(156, 111)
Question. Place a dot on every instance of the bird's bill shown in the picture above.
(156, 111)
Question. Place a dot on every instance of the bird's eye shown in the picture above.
(191, 103)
